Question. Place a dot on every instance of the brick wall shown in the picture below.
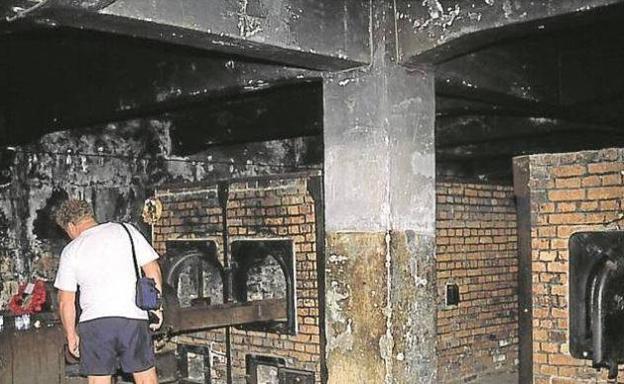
(275, 208)
(569, 193)
(477, 250)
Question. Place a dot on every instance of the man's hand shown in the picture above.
(156, 319)
(73, 344)
(152, 270)
(67, 311)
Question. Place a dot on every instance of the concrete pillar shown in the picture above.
(380, 220)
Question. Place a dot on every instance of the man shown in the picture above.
(112, 332)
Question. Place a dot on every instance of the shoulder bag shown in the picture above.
(147, 295)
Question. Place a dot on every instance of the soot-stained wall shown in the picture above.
(135, 158)
(44, 173)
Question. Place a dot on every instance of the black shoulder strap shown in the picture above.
(137, 270)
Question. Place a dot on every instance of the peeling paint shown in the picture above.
(475, 16)
(344, 82)
(422, 163)
(344, 340)
(225, 43)
(165, 95)
(334, 303)
(340, 333)
(247, 25)
(419, 281)
(415, 294)
(507, 9)
(437, 16)
(435, 8)
(254, 85)
(355, 309)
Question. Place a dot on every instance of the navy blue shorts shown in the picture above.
(110, 343)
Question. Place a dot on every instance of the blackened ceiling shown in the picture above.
(70, 79)
(318, 34)
(435, 31)
(547, 92)
(285, 111)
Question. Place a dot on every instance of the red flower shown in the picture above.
(29, 304)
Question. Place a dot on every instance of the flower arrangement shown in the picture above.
(29, 299)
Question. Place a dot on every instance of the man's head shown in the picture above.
(75, 216)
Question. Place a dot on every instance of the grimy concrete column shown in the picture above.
(380, 220)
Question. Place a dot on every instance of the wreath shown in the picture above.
(152, 211)
(24, 303)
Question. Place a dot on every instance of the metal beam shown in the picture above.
(185, 320)
(314, 34)
(433, 32)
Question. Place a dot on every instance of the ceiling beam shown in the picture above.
(81, 79)
(553, 142)
(540, 76)
(313, 34)
(282, 112)
(522, 70)
(432, 32)
(468, 130)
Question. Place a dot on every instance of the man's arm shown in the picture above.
(67, 311)
(152, 270)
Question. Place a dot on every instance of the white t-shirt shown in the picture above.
(100, 262)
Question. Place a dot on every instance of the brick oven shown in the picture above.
(242, 261)
(568, 202)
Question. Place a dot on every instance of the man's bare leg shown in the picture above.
(145, 377)
(100, 379)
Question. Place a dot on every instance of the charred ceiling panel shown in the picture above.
(484, 137)
(91, 5)
(306, 33)
(594, 61)
(543, 75)
(549, 92)
(74, 79)
(282, 112)
(435, 31)
(523, 70)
